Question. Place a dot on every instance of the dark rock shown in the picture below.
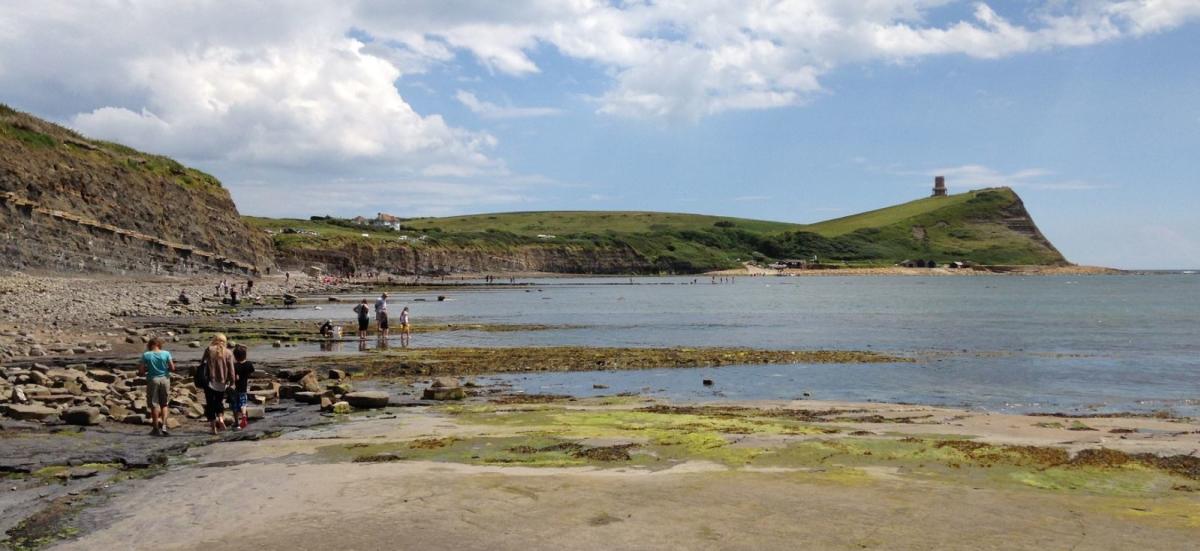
(308, 397)
(367, 399)
(82, 415)
(443, 393)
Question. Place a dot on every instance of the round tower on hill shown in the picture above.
(939, 186)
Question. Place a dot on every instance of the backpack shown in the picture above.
(200, 374)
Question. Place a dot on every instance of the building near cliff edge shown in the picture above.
(939, 186)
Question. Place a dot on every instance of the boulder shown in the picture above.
(338, 374)
(289, 390)
(102, 375)
(29, 412)
(18, 396)
(341, 388)
(308, 397)
(256, 412)
(342, 408)
(367, 399)
(445, 382)
(443, 393)
(309, 382)
(136, 419)
(82, 415)
(326, 403)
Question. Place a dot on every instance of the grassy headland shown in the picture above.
(989, 227)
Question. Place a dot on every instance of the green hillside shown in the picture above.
(985, 227)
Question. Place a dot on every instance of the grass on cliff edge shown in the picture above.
(971, 226)
(34, 136)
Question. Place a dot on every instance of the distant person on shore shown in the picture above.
(327, 329)
(364, 319)
(405, 327)
(287, 277)
(157, 366)
(242, 369)
(381, 316)
(216, 370)
(249, 286)
(184, 299)
(233, 294)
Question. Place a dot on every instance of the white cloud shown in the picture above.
(274, 84)
(687, 60)
(979, 176)
(304, 90)
(489, 110)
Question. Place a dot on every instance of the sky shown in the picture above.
(799, 110)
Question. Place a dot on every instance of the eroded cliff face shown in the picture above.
(1017, 218)
(72, 204)
(435, 260)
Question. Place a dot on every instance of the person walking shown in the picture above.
(216, 370)
(381, 316)
(364, 319)
(405, 328)
(157, 366)
(242, 369)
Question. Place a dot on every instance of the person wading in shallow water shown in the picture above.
(405, 327)
(381, 316)
(157, 366)
(215, 375)
(364, 319)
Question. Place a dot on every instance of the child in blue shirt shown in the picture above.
(157, 366)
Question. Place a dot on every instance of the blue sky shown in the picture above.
(796, 111)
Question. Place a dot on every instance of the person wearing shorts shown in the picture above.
(364, 319)
(381, 316)
(157, 366)
(405, 327)
(242, 370)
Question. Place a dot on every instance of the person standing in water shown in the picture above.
(157, 366)
(364, 319)
(405, 327)
(381, 316)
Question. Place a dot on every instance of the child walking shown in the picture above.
(242, 369)
(157, 366)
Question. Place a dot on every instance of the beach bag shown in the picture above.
(200, 375)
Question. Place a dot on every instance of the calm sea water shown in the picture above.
(1072, 344)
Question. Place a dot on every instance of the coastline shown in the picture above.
(600, 473)
(1111, 477)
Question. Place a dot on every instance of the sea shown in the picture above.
(1036, 344)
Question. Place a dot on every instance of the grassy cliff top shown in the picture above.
(32, 136)
(988, 226)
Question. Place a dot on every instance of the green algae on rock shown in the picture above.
(468, 361)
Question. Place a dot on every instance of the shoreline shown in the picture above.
(815, 464)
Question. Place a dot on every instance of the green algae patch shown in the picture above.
(424, 362)
(1132, 480)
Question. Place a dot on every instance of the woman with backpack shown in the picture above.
(215, 375)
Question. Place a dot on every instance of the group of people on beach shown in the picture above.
(223, 375)
(363, 313)
(229, 292)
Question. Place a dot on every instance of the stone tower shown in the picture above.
(939, 186)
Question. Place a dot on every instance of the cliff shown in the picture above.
(69, 203)
(986, 227)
